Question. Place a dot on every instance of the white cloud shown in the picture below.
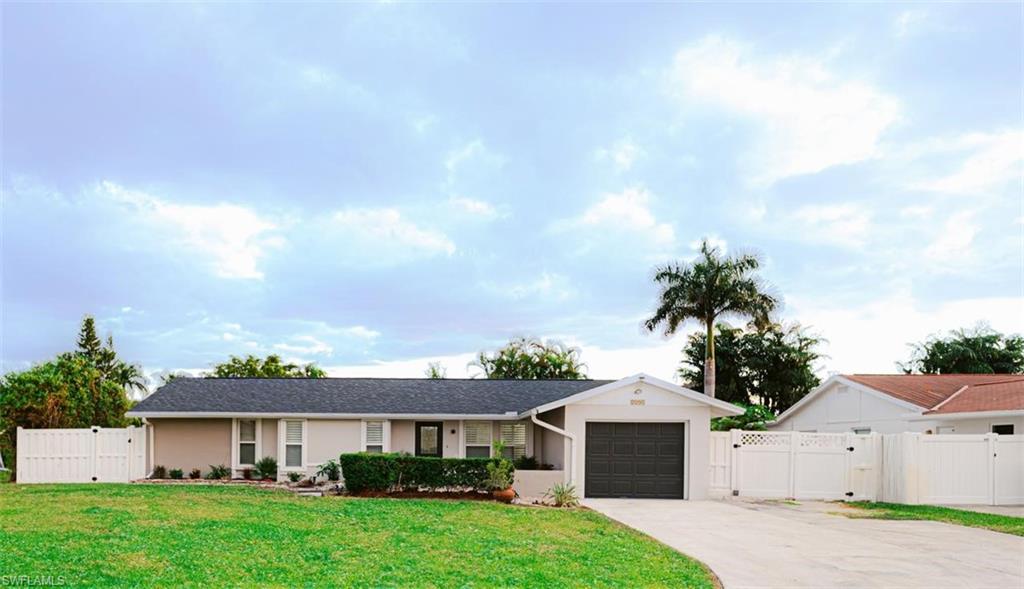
(808, 118)
(474, 152)
(908, 21)
(713, 240)
(305, 345)
(234, 237)
(473, 206)
(843, 224)
(623, 154)
(456, 365)
(387, 226)
(874, 336)
(953, 243)
(548, 286)
(629, 210)
(993, 160)
(917, 212)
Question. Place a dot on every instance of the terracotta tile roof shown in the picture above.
(928, 390)
(1007, 395)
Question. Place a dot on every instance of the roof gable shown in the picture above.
(719, 408)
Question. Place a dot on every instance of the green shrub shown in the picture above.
(159, 472)
(330, 469)
(218, 471)
(527, 463)
(397, 472)
(294, 476)
(500, 474)
(195, 474)
(266, 468)
(563, 495)
(177, 474)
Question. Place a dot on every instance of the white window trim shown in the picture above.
(462, 437)
(282, 434)
(386, 442)
(235, 430)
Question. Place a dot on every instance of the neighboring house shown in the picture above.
(895, 403)
(635, 437)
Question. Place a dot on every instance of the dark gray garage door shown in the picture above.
(642, 460)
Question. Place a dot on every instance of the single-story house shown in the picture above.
(896, 403)
(635, 437)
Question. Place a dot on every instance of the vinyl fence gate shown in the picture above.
(102, 455)
(794, 465)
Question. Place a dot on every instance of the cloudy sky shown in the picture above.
(374, 186)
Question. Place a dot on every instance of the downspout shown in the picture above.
(150, 438)
(561, 432)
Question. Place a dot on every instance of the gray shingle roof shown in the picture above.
(371, 396)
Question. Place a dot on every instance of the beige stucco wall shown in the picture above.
(191, 443)
(268, 443)
(403, 436)
(534, 484)
(553, 447)
(658, 406)
(328, 438)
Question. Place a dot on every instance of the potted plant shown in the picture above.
(500, 477)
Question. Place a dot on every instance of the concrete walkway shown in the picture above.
(775, 544)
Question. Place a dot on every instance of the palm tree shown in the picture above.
(711, 287)
(130, 377)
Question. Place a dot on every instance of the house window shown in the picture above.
(293, 440)
(478, 439)
(246, 442)
(862, 430)
(374, 436)
(513, 435)
(1003, 429)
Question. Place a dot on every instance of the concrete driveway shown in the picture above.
(774, 544)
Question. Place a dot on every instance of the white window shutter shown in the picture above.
(478, 433)
(513, 434)
(293, 432)
(374, 433)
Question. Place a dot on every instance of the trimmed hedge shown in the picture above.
(400, 472)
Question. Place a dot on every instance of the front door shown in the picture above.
(428, 438)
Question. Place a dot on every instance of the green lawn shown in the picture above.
(998, 523)
(231, 535)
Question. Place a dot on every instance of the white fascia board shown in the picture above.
(722, 406)
(965, 415)
(411, 416)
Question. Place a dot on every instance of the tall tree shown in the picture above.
(770, 365)
(712, 287)
(89, 344)
(270, 367)
(980, 350)
(530, 358)
(104, 358)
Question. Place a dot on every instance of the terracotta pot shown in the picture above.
(505, 496)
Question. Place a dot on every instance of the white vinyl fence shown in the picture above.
(983, 469)
(794, 465)
(95, 454)
(899, 468)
